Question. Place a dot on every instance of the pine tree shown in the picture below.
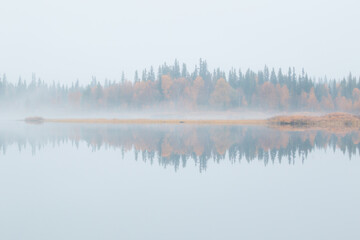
(176, 69)
(144, 76)
(151, 74)
(266, 74)
(122, 77)
(136, 77)
(273, 78)
(184, 72)
(280, 77)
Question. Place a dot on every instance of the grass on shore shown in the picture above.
(160, 121)
(329, 120)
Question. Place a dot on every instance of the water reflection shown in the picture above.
(175, 145)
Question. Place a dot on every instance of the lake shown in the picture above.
(93, 181)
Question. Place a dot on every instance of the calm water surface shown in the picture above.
(69, 181)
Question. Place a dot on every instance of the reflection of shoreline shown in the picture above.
(175, 144)
(329, 129)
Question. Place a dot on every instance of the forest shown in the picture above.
(173, 87)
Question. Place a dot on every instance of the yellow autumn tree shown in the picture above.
(197, 89)
(303, 99)
(166, 83)
(268, 96)
(284, 96)
(145, 93)
(343, 104)
(312, 102)
(177, 89)
(356, 97)
(327, 103)
(223, 94)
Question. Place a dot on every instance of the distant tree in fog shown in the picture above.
(174, 86)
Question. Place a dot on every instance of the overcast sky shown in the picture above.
(68, 39)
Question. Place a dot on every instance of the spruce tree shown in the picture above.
(136, 77)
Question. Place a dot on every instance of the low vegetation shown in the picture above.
(329, 120)
(34, 120)
(161, 121)
(338, 120)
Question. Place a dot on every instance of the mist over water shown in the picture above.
(173, 89)
(149, 69)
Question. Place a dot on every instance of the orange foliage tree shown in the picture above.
(166, 83)
(284, 97)
(343, 104)
(268, 96)
(197, 89)
(356, 97)
(312, 102)
(223, 94)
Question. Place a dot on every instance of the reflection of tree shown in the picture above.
(174, 145)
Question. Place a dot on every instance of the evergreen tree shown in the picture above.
(151, 75)
(273, 78)
(184, 72)
(266, 74)
(281, 77)
(122, 77)
(144, 76)
(136, 77)
(176, 69)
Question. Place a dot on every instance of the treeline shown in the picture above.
(174, 87)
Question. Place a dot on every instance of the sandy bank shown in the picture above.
(298, 121)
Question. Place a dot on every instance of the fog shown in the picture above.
(69, 40)
(175, 92)
(69, 169)
(78, 58)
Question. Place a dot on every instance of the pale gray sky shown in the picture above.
(69, 39)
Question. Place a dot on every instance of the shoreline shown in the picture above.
(337, 120)
(161, 121)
